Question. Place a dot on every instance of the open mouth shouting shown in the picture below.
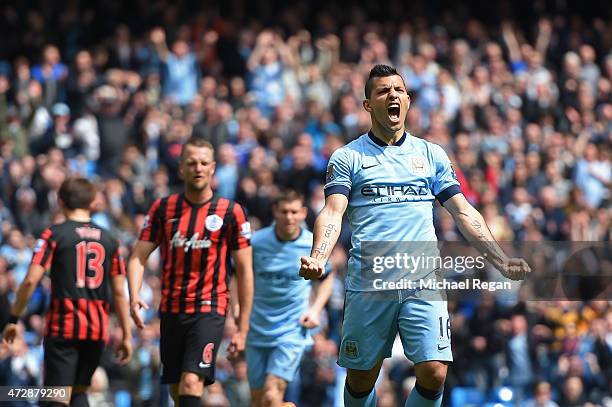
(393, 110)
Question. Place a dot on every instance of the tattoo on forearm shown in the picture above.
(489, 245)
(321, 251)
(478, 226)
(329, 229)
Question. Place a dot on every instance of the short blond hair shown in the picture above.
(197, 142)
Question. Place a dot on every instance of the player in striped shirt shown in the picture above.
(86, 272)
(196, 232)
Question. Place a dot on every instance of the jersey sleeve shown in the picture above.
(152, 227)
(118, 264)
(445, 183)
(44, 249)
(338, 178)
(240, 234)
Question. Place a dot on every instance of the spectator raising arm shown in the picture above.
(544, 35)
(158, 38)
(512, 43)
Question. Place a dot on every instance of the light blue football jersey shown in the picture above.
(391, 190)
(281, 296)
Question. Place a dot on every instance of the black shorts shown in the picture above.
(189, 343)
(71, 362)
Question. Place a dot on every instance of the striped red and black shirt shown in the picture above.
(195, 241)
(81, 258)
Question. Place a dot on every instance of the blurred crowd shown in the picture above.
(110, 91)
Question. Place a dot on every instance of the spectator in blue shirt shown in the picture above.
(181, 71)
(52, 74)
(266, 64)
(226, 173)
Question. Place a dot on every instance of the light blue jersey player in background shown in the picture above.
(389, 181)
(282, 312)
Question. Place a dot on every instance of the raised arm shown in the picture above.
(475, 230)
(544, 36)
(264, 40)
(135, 273)
(509, 37)
(326, 231)
(158, 39)
(286, 55)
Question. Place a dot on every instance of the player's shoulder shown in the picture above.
(262, 236)
(53, 228)
(422, 144)
(49, 233)
(60, 229)
(358, 144)
(70, 230)
(355, 147)
(159, 205)
(306, 237)
(105, 233)
(428, 148)
(230, 204)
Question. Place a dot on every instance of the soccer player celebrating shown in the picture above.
(196, 232)
(86, 271)
(281, 314)
(389, 180)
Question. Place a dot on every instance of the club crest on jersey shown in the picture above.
(418, 165)
(350, 349)
(214, 222)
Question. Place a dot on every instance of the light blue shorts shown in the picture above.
(373, 319)
(282, 361)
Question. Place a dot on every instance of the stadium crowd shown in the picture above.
(110, 91)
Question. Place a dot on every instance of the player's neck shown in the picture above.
(389, 137)
(198, 197)
(286, 237)
(78, 215)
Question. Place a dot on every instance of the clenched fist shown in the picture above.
(311, 268)
(515, 269)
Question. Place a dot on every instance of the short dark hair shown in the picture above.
(289, 195)
(197, 142)
(379, 71)
(77, 193)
